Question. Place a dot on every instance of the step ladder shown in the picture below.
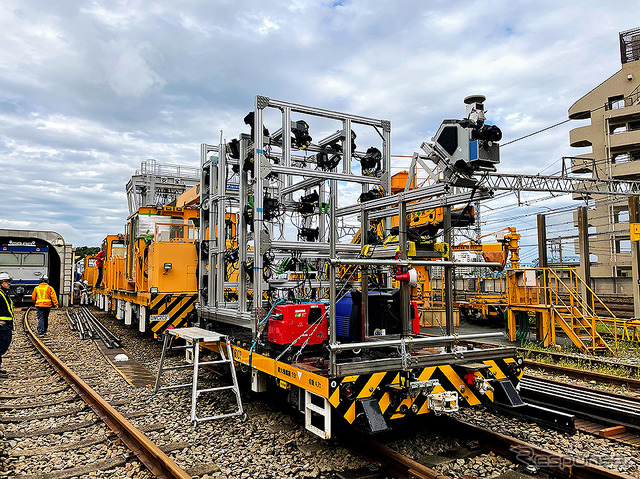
(194, 338)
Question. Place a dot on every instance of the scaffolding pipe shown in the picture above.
(399, 262)
(431, 341)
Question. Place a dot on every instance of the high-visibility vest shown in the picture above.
(9, 303)
(44, 296)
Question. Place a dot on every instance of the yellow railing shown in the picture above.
(565, 295)
(585, 308)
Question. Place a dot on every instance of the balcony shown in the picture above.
(627, 170)
(627, 138)
(581, 136)
(627, 112)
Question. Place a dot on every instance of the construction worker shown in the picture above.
(44, 297)
(84, 292)
(99, 265)
(6, 318)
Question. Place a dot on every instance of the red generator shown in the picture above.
(293, 323)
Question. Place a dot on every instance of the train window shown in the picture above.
(9, 258)
(33, 259)
(177, 232)
(91, 263)
(145, 226)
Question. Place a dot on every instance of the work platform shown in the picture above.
(196, 338)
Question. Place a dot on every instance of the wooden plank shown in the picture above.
(612, 431)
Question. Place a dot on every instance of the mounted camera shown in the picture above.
(309, 234)
(370, 162)
(466, 147)
(308, 203)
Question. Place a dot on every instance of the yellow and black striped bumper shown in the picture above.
(397, 401)
(170, 310)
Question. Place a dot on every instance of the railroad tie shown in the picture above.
(53, 430)
(43, 451)
(102, 465)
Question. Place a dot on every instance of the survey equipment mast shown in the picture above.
(270, 179)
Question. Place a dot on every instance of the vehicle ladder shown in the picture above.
(195, 338)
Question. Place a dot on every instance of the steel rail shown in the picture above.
(634, 369)
(559, 465)
(160, 465)
(109, 339)
(584, 375)
(583, 402)
(81, 329)
(393, 462)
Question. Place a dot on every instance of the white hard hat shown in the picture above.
(4, 276)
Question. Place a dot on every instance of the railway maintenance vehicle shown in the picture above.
(341, 345)
(150, 270)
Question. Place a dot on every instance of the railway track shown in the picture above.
(607, 414)
(535, 458)
(585, 375)
(98, 433)
(268, 444)
(34, 415)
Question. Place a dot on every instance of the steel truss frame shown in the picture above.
(561, 184)
(255, 236)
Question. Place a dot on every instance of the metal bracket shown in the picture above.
(265, 167)
(265, 241)
(443, 402)
(262, 102)
(417, 387)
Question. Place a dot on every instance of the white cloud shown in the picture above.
(267, 26)
(88, 91)
(128, 71)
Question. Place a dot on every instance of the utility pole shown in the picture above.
(583, 241)
(634, 217)
(542, 242)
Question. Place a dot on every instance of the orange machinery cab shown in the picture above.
(89, 271)
(116, 277)
(112, 246)
(161, 243)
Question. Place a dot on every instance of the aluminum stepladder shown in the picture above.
(195, 337)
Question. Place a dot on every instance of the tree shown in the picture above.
(82, 251)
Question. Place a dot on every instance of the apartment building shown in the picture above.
(613, 135)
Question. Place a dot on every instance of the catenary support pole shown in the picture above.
(583, 240)
(634, 217)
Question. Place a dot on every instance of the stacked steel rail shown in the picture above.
(83, 321)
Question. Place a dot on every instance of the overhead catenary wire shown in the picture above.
(547, 128)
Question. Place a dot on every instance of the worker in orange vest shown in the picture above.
(44, 297)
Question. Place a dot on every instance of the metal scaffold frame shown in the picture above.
(279, 170)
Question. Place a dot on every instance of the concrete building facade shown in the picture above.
(613, 135)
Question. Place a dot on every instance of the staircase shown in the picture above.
(574, 314)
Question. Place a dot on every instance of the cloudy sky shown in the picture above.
(88, 90)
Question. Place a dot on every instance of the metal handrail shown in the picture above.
(577, 300)
(633, 98)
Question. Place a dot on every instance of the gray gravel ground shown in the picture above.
(268, 443)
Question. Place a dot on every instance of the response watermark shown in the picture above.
(529, 456)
